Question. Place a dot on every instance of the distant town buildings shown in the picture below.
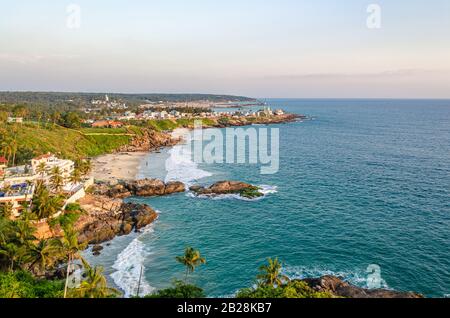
(107, 103)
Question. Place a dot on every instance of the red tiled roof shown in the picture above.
(48, 155)
(3, 160)
(104, 123)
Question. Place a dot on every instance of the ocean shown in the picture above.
(364, 182)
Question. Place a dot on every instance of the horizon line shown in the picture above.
(227, 94)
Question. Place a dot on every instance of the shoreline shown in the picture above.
(125, 165)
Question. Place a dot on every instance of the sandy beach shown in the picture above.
(113, 167)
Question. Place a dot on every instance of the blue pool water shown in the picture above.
(365, 182)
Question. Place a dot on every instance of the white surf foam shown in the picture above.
(181, 167)
(264, 189)
(357, 277)
(128, 267)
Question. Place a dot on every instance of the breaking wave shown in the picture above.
(180, 165)
(358, 278)
(128, 266)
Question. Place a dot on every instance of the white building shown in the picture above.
(16, 196)
(163, 114)
(51, 161)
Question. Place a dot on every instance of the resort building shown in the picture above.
(16, 195)
(50, 161)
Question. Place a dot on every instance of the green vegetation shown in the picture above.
(89, 130)
(73, 100)
(25, 260)
(179, 290)
(190, 122)
(45, 204)
(270, 273)
(21, 142)
(191, 259)
(272, 284)
(22, 284)
(162, 125)
(294, 289)
(224, 121)
(251, 193)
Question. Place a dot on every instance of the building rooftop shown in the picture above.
(46, 156)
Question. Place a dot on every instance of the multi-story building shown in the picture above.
(50, 161)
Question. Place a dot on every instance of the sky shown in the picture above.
(257, 48)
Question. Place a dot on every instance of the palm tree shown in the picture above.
(56, 179)
(75, 177)
(24, 231)
(6, 188)
(13, 253)
(13, 147)
(46, 205)
(55, 116)
(85, 167)
(94, 285)
(5, 230)
(271, 273)
(43, 254)
(191, 259)
(6, 210)
(39, 116)
(41, 169)
(71, 248)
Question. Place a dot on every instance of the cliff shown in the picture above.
(148, 140)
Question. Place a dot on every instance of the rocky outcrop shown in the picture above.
(141, 188)
(340, 288)
(149, 140)
(228, 187)
(105, 219)
(174, 187)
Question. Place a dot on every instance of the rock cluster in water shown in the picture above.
(340, 288)
(108, 216)
(228, 187)
(107, 219)
(141, 188)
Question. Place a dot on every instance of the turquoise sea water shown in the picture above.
(365, 182)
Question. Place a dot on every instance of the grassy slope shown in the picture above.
(68, 143)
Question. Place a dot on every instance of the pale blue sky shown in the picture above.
(261, 48)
